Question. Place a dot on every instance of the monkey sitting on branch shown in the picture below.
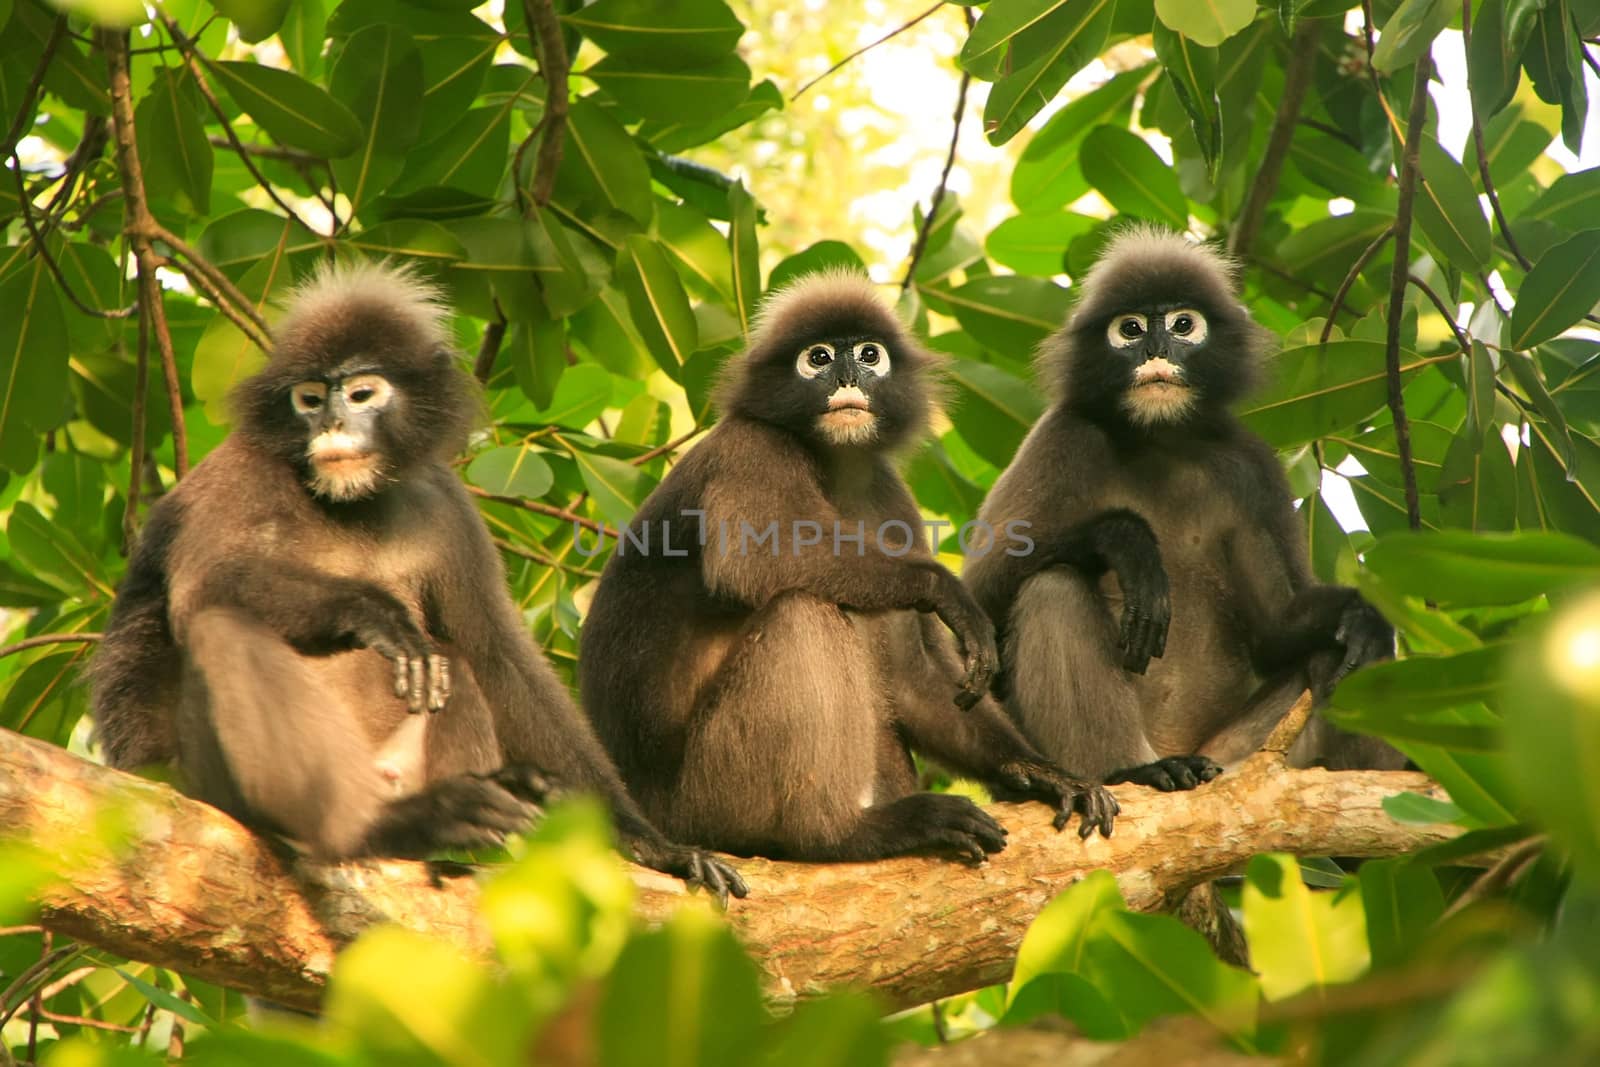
(762, 676)
(315, 625)
(1168, 616)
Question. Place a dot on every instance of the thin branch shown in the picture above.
(670, 446)
(545, 34)
(1296, 79)
(1505, 871)
(542, 558)
(1397, 285)
(25, 208)
(920, 245)
(191, 59)
(48, 639)
(1482, 152)
(864, 49)
(30, 94)
(217, 286)
(1372, 71)
(1350, 280)
(136, 455)
(538, 508)
(1444, 311)
(90, 146)
(138, 226)
(43, 967)
(281, 153)
(489, 348)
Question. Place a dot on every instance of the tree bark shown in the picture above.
(195, 891)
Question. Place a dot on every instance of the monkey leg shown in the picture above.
(274, 736)
(783, 747)
(1067, 689)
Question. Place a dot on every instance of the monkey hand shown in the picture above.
(697, 867)
(1066, 792)
(378, 621)
(1146, 614)
(974, 635)
(1171, 775)
(466, 811)
(1366, 636)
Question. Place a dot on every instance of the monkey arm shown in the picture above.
(1323, 618)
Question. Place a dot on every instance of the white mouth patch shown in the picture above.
(849, 397)
(1158, 371)
(340, 468)
(849, 419)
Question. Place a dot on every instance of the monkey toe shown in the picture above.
(1173, 774)
(525, 783)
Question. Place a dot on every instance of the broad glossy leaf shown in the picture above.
(511, 470)
(294, 111)
(1055, 940)
(824, 255)
(302, 35)
(1129, 174)
(692, 31)
(1047, 174)
(1191, 70)
(52, 553)
(236, 242)
(409, 238)
(41, 700)
(224, 355)
(1554, 61)
(1326, 248)
(1499, 33)
(1423, 683)
(471, 156)
(1008, 313)
(1071, 997)
(743, 250)
(256, 19)
(601, 165)
(1069, 34)
(1402, 901)
(1477, 485)
(1207, 24)
(583, 393)
(1409, 31)
(994, 409)
(173, 150)
(1300, 939)
(1318, 389)
(1561, 288)
(1526, 372)
(1447, 208)
(842, 1029)
(671, 93)
(1475, 569)
(537, 351)
(701, 253)
(1569, 202)
(657, 303)
(1418, 810)
(1153, 965)
(671, 136)
(379, 75)
(33, 363)
(1037, 244)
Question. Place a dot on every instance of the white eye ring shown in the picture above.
(803, 362)
(873, 356)
(1114, 329)
(308, 397)
(1197, 328)
(367, 391)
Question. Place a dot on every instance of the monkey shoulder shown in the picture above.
(1063, 466)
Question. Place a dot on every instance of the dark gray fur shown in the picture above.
(1169, 610)
(769, 704)
(254, 638)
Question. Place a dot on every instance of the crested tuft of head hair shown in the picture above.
(1143, 266)
(336, 291)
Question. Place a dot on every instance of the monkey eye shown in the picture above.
(367, 390)
(813, 358)
(874, 355)
(1125, 330)
(308, 397)
(1187, 325)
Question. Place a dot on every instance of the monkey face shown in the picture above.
(342, 416)
(842, 374)
(1157, 344)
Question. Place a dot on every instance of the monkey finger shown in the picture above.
(438, 682)
(417, 687)
(402, 675)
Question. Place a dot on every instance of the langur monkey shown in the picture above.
(1167, 618)
(315, 624)
(762, 671)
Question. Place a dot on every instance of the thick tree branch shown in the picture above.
(546, 32)
(1302, 63)
(197, 892)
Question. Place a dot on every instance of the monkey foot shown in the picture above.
(1170, 775)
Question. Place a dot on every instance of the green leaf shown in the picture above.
(173, 150)
(1409, 32)
(1036, 244)
(1420, 684)
(1402, 901)
(670, 136)
(416, 239)
(537, 352)
(40, 700)
(1300, 939)
(601, 164)
(1477, 484)
(224, 355)
(1569, 202)
(1338, 167)
(823, 255)
(672, 93)
(53, 553)
(1070, 996)
(1447, 208)
(582, 394)
(842, 1029)
(256, 19)
(1047, 175)
(1476, 569)
(657, 303)
(1499, 33)
(1008, 313)
(1318, 389)
(294, 111)
(702, 254)
(1558, 292)
(236, 242)
(1065, 34)
(470, 156)
(1418, 810)
(302, 34)
(691, 31)
(1191, 70)
(1054, 943)
(511, 470)
(1129, 174)
(33, 363)
(1554, 61)
(167, 1001)
(1207, 24)
(379, 75)
(996, 408)
(743, 249)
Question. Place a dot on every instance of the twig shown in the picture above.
(545, 34)
(1296, 79)
(281, 153)
(661, 450)
(48, 639)
(920, 245)
(96, 132)
(44, 966)
(1372, 71)
(489, 349)
(1502, 874)
(136, 456)
(542, 558)
(1482, 153)
(25, 207)
(138, 225)
(864, 49)
(538, 508)
(191, 60)
(1350, 280)
(81, 1020)
(216, 286)
(1444, 311)
(30, 94)
(1397, 286)
(1289, 728)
